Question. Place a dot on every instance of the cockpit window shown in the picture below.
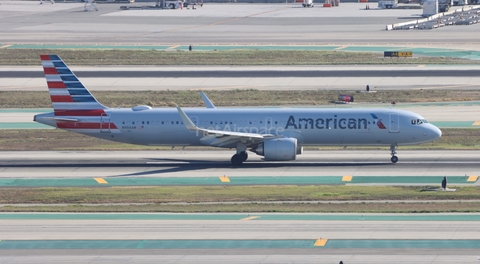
(419, 121)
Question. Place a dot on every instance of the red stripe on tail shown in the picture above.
(79, 112)
(56, 85)
(50, 71)
(61, 98)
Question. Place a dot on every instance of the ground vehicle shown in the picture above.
(307, 3)
(172, 4)
(444, 5)
(387, 4)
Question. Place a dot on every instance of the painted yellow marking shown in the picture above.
(347, 178)
(341, 47)
(224, 178)
(5, 46)
(476, 123)
(101, 180)
(421, 66)
(320, 242)
(472, 178)
(250, 218)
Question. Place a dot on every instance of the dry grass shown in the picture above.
(251, 97)
(55, 139)
(233, 57)
(152, 199)
(458, 207)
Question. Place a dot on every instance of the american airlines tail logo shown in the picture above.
(378, 121)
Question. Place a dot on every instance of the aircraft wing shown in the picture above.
(221, 138)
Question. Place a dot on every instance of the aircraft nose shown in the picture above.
(434, 132)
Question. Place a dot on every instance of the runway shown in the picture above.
(213, 164)
(239, 238)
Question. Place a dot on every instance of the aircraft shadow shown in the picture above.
(162, 166)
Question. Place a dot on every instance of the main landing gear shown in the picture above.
(241, 155)
(393, 151)
(238, 159)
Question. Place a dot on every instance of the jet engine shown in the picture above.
(278, 149)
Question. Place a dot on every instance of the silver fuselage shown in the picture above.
(310, 126)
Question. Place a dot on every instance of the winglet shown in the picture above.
(188, 123)
(207, 101)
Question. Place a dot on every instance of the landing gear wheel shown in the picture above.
(236, 160)
(394, 159)
(243, 155)
(393, 151)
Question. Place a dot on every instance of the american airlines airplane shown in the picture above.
(277, 134)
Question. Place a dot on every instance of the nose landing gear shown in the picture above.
(393, 151)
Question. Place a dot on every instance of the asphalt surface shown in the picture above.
(251, 74)
(238, 238)
(213, 164)
(233, 23)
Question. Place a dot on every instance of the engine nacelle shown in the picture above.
(278, 149)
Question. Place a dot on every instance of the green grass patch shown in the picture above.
(243, 97)
(153, 199)
(230, 57)
(57, 140)
(387, 207)
(197, 194)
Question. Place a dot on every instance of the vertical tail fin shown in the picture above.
(66, 91)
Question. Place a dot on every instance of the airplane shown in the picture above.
(277, 134)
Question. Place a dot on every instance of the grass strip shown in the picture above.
(245, 97)
(231, 57)
(205, 194)
(60, 140)
(150, 199)
(387, 207)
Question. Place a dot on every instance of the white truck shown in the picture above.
(307, 3)
(388, 4)
(172, 4)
